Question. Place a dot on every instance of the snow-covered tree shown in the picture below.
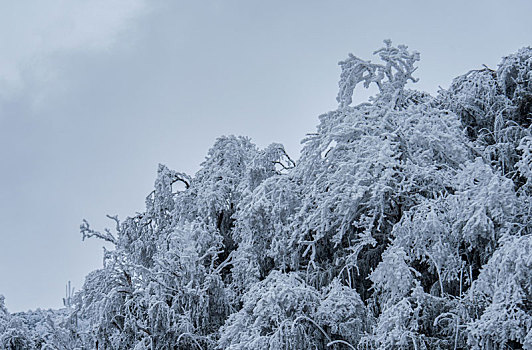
(406, 223)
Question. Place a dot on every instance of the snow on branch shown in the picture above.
(391, 76)
(88, 232)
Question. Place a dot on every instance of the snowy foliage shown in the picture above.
(504, 289)
(390, 77)
(406, 223)
(274, 315)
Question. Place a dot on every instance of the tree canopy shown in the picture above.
(404, 224)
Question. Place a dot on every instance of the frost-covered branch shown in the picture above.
(88, 232)
(390, 77)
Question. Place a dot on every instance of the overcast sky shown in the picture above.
(94, 94)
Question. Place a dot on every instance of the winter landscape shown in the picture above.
(404, 223)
